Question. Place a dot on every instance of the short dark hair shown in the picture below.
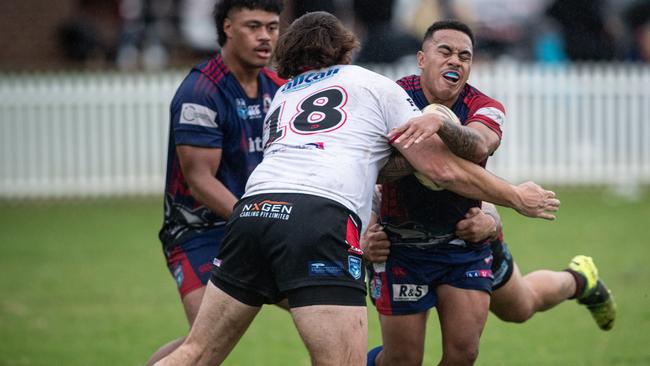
(223, 7)
(449, 24)
(313, 41)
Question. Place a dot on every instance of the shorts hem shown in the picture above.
(220, 276)
(312, 283)
(489, 291)
(184, 292)
(403, 312)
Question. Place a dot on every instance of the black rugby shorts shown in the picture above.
(291, 245)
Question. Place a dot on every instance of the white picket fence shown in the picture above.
(91, 134)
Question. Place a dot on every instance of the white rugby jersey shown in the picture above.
(325, 135)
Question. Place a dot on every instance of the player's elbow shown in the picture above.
(481, 153)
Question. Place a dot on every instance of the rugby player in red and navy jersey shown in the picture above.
(435, 248)
(215, 142)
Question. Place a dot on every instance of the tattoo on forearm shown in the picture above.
(462, 141)
(397, 167)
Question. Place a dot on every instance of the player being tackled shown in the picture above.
(594, 295)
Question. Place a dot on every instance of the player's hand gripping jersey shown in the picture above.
(325, 135)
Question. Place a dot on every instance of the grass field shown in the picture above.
(85, 283)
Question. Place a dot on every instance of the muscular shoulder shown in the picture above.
(483, 108)
(476, 99)
(198, 93)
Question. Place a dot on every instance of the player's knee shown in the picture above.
(464, 357)
(515, 314)
(402, 357)
(518, 318)
(460, 353)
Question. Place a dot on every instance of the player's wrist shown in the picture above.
(514, 198)
(494, 227)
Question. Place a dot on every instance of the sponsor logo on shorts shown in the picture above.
(198, 115)
(305, 80)
(354, 266)
(216, 262)
(268, 209)
(375, 286)
(409, 292)
(482, 273)
(323, 268)
(178, 274)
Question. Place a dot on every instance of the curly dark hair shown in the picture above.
(313, 41)
(223, 7)
(452, 24)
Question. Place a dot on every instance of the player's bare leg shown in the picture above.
(463, 314)
(521, 297)
(402, 348)
(334, 335)
(220, 323)
(191, 303)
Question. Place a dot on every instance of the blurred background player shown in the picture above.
(215, 142)
(295, 232)
(444, 263)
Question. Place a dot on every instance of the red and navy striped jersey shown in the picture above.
(406, 202)
(210, 109)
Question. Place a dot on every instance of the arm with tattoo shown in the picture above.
(464, 141)
(396, 167)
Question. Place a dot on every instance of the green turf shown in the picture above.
(84, 283)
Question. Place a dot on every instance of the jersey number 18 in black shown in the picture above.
(317, 113)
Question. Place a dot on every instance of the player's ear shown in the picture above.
(420, 57)
(227, 27)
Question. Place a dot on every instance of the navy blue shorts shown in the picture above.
(191, 263)
(408, 280)
(502, 265)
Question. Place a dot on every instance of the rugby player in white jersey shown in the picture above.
(295, 232)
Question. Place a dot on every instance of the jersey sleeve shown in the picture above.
(197, 112)
(489, 112)
(397, 106)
